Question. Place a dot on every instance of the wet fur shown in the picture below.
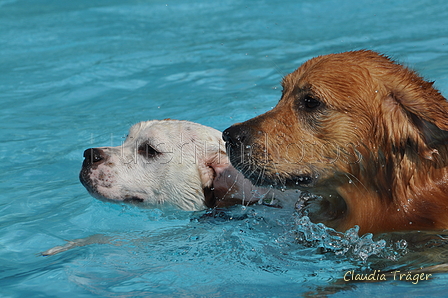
(169, 163)
(375, 148)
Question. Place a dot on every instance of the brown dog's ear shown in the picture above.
(432, 134)
(427, 109)
(421, 99)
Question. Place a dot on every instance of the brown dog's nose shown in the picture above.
(93, 155)
(236, 135)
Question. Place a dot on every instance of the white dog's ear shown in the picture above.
(225, 186)
(215, 162)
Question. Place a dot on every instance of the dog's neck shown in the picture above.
(413, 189)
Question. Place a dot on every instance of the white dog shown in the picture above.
(168, 162)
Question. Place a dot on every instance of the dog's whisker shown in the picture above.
(282, 182)
(260, 176)
(352, 177)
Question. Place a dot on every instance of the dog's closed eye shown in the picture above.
(148, 151)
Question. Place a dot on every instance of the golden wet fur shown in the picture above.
(367, 135)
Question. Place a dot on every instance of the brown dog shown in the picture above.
(368, 136)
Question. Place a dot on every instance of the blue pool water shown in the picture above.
(78, 74)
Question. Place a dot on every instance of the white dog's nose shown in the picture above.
(93, 155)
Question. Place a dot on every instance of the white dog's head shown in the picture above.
(167, 162)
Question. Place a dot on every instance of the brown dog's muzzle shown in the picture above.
(237, 136)
(250, 152)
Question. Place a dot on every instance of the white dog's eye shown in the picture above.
(147, 151)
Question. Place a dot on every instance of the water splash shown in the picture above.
(349, 243)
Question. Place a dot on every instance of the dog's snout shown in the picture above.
(93, 155)
(236, 135)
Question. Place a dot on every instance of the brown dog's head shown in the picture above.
(356, 129)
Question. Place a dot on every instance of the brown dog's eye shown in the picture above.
(147, 151)
(310, 103)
